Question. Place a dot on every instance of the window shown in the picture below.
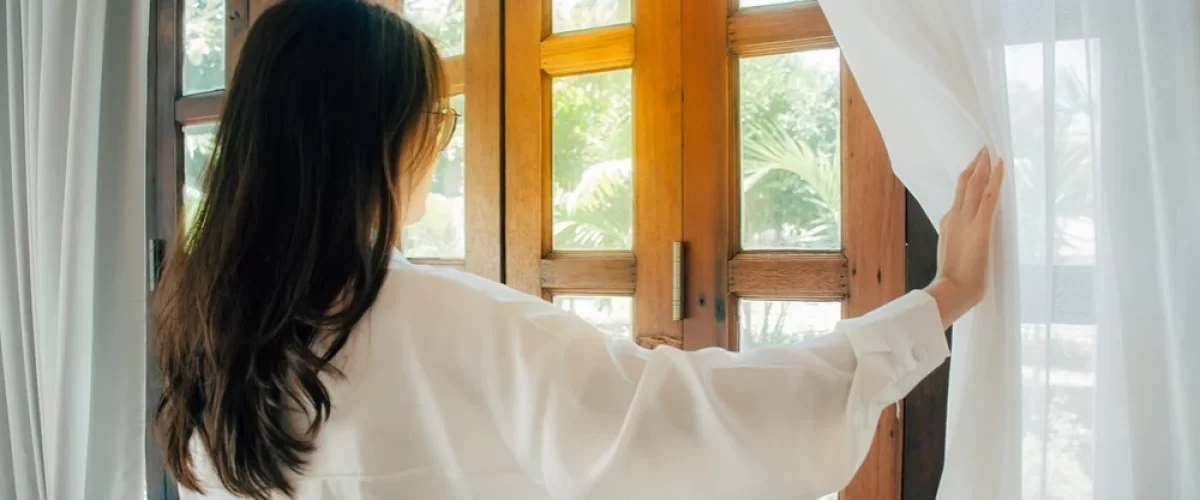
(752, 152)
(689, 173)
(593, 134)
(462, 228)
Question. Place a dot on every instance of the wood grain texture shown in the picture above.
(199, 108)
(455, 69)
(873, 237)
(237, 25)
(258, 6)
(778, 29)
(526, 140)
(590, 272)
(658, 155)
(589, 51)
(706, 123)
(163, 140)
(483, 83)
(459, 264)
(802, 276)
(167, 163)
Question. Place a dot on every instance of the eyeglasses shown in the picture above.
(447, 126)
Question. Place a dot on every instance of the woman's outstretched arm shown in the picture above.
(590, 416)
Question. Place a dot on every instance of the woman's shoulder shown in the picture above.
(432, 289)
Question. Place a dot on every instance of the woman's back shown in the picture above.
(454, 386)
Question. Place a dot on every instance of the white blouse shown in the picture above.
(457, 387)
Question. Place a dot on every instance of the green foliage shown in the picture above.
(592, 136)
(442, 20)
(203, 46)
(571, 15)
(597, 214)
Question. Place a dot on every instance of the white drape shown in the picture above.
(1077, 378)
(72, 248)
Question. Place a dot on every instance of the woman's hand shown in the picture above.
(966, 239)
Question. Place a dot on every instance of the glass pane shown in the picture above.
(197, 148)
(571, 15)
(611, 315)
(442, 20)
(203, 46)
(441, 233)
(791, 151)
(772, 322)
(593, 161)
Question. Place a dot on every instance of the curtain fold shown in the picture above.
(1073, 379)
(72, 248)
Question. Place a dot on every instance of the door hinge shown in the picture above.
(677, 281)
(154, 253)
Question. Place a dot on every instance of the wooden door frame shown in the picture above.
(865, 274)
(533, 56)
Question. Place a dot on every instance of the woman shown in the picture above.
(301, 356)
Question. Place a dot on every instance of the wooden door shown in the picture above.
(792, 216)
(593, 158)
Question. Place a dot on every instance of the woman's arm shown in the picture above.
(590, 416)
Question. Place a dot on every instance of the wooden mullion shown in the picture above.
(164, 141)
(526, 140)
(657, 169)
(455, 68)
(237, 25)
(199, 108)
(589, 51)
(483, 83)
(258, 6)
(707, 107)
(609, 273)
(459, 264)
(778, 29)
(873, 236)
(802, 276)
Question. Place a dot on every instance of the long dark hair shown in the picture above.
(332, 104)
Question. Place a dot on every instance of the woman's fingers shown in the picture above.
(991, 195)
(964, 178)
(977, 183)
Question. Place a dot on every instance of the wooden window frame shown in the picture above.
(477, 73)
(688, 166)
(866, 273)
(533, 56)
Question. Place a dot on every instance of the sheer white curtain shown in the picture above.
(1078, 377)
(72, 248)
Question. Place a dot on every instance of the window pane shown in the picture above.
(441, 233)
(771, 322)
(571, 15)
(612, 315)
(203, 46)
(593, 162)
(197, 148)
(443, 20)
(791, 153)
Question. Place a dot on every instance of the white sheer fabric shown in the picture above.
(72, 241)
(1072, 380)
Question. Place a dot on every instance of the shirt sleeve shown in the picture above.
(591, 416)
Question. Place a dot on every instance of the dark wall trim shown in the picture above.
(925, 406)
